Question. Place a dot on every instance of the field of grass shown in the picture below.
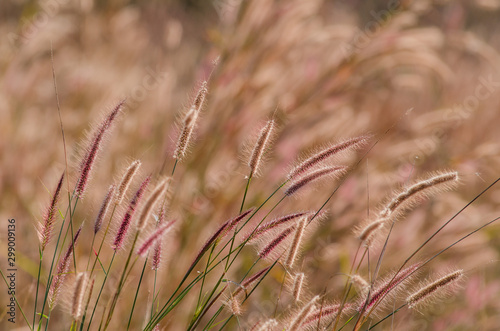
(258, 165)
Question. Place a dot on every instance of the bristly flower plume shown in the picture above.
(260, 147)
(125, 224)
(93, 149)
(126, 180)
(45, 227)
(320, 157)
(104, 209)
(313, 176)
(434, 289)
(406, 198)
(155, 237)
(61, 272)
(189, 123)
(151, 202)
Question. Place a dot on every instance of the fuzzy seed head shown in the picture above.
(104, 209)
(127, 218)
(320, 157)
(269, 248)
(150, 203)
(61, 272)
(313, 176)
(297, 239)
(45, 228)
(93, 149)
(427, 293)
(78, 293)
(260, 147)
(297, 286)
(303, 314)
(189, 123)
(155, 237)
(406, 198)
(126, 180)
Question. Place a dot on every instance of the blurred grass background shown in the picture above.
(335, 69)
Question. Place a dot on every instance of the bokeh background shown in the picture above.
(334, 69)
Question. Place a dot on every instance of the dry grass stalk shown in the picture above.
(44, 229)
(78, 294)
(126, 180)
(260, 147)
(321, 156)
(430, 291)
(104, 209)
(297, 239)
(189, 123)
(150, 203)
(125, 224)
(407, 197)
(297, 322)
(93, 149)
(61, 272)
(313, 176)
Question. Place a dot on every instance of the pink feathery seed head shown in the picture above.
(323, 313)
(93, 149)
(298, 281)
(313, 176)
(389, 285)
(269, 248)
(405, 199)
(368, 233)
(155, 237)
(155, 262)
(61, 271)
(232, 223)
(78, 294)
(126, 180)
(302, 315)
(297, 239)
(434, 289)
(104, 209)
(249, 281)
(260, 147)
(222, 231)
(264, 228)
(127, 218)
(318, 158)
(189, 123)
(44, 228)
(150, 203)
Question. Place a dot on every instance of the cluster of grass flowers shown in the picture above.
(132, 224)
